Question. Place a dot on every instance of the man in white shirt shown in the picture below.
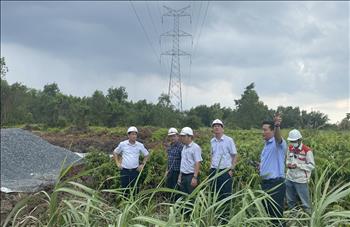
(191, 156)
(223, 158)
(126, 156)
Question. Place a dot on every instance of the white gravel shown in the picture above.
(28, 162)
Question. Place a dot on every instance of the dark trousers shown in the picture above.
(172, 177)
(171, 182)
(128, 178)
(222, 184)
(278, 195)
(186, 183)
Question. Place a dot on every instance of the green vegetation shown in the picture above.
(94, 197)
(100, 202)
(52, 108)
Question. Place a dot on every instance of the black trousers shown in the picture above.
(222, 184)
(128, 178)
(277, 195)
(186, 179)
(171, 182)
(172, 177)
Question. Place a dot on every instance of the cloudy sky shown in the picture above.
(296, 53)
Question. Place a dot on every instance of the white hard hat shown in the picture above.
(132, 129)
(217, 121)
(172, 131)
(294, 135)
(186, 131)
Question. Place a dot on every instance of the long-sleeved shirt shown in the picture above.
(303, 158)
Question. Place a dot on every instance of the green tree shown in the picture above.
(98, 108)
(291, 116)
(314, 119)
(117, 94)
(164, 101)
(3, 68)
(250, 110)
(164, 114)
(345, 123)
(5, 101)
(192, 121)
(51, 90)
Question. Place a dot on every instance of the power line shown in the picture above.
(200, 31)
(144, 30)
(150, 15)
(198, 19)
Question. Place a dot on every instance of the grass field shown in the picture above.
(100, 202)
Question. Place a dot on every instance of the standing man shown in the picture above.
(126, 156)
(174, 158)
(223, 158)
(191, 156)
(272, 165)
(300, 163)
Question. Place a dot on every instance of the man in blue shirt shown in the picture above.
(272, 165)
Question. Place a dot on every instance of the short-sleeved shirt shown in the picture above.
(190, 154)
(174, 156)
(221, 152)
(130, 153)
(272, 159)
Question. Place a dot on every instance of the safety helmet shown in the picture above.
(217, 121)
(186, 131)
(294, 135)
(132, 129)
(172, 131)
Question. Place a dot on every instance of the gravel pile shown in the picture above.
(29, 163)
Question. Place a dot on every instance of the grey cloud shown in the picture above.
(241, 42)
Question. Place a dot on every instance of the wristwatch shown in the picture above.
(195, 177)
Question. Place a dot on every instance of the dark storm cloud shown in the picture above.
(286, 48)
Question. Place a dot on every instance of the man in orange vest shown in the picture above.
(300, 162)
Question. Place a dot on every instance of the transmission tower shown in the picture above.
(174, 90)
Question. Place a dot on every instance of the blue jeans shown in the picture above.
(295, 190)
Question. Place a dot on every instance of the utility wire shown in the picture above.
(144, 30)
(200, 31)
(150, 15)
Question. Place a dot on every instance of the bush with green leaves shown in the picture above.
(74, 204)
(105, 173)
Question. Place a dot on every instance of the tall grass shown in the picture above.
(73, 204)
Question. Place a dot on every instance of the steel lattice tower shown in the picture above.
(174, 91)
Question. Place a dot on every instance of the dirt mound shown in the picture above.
(102, 140)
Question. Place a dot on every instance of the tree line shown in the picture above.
(49, 106)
